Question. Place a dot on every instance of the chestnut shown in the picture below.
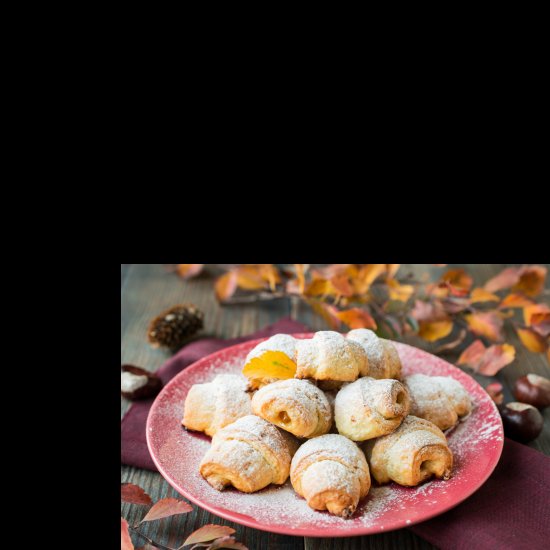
(522, 422)
(533, 389)
(138, 383)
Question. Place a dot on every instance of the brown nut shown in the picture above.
(138, 383)
(522, 422)
(533, 389)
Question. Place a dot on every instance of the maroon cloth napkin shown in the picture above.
(511, 511)
(134, 451)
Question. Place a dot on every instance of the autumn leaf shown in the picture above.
(356, 318)
(189, 270)
(515, 300)
(438, 290)
(458, 278)
(535, 314)
(435, 330)
(227, 542)
(271, 274)
(505, 279)
(531, 280)
(225, 286)
(318, 287)
(481, 295)
(271, 364)
(485, 323)
(398, 291)
(167, 507)
(125, 540)
(366, 275)
(495, 392)
(428, 311)
(208, 532)
(327, 311)
(487, 361)
(134, 494)
(249, 278)
(340, 285)
(532, 340)
(392, 270)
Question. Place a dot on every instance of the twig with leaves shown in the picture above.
(446, 313)
(209, 537)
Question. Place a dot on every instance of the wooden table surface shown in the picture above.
(147, 289)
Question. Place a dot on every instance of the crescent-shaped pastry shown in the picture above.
(279, 342)
(416, 451)
(331, 473)
(329, 356)
(248, 454)
(296, 406)
(439, 399)
(211, 406)
(382, 355)
(370, 408)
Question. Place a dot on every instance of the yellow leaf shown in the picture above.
(366, 276)
(488, 324)
(392, 269)
(271, 274)
(515, 300)
(249, 278)
(481, 295)
(271, 364)
(318, 287)
(357, 318)
(532, 340)
(225, 286)
(398, 291)
(435, 330)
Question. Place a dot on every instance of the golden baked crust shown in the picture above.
(297, 406)
(382, 355)
(416, 451)
(331, 473)
(249, 454)
(370, 408)
(209, 407)
(329, 356)
(439, 399)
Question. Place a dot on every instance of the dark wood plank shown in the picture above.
(148, 289)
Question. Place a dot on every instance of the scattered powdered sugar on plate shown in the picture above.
(476, 443)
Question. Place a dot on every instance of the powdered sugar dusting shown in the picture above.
(476, 443)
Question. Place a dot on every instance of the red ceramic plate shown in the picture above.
(476, 444)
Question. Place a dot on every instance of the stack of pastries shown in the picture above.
(346, 415)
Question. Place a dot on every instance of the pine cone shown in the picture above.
(174, 326)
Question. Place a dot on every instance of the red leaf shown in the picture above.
(487, 361)
(189, 270)
(495, 392)
(208, 532)
(125, 540)
(167, 507)
(486, 323)
(505, 279)
(227, 542)
(134, 494)
(356, 318)
(225, 286)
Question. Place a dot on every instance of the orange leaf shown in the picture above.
(125, 540)
(356, 318)
(458, 278)
(488, 324)
(487, 361)
(318, 287)
(532, 340)
(167, 507)
(327, 312)
(207, 533)
(505, 279)
(134, 494)
(481, 295)
(398, 291)
(392, 270)
(189, 270)
(271, 364)
(340, 285)
(225, 286)
(271, 274)
(531, 280)
(432, 331)
(515, 300)
(536, 313)
(366, 275)
(250, 278)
